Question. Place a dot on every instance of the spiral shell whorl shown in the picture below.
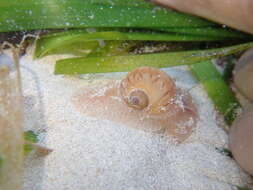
(147, 87)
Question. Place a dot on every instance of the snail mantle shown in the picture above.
(147, 99)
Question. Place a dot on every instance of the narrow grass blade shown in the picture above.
(61, 43)
(131, 35)
(19, 15)
(226, 33)
(217, 89)
(126, 63)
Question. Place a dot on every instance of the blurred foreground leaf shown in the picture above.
(17, 15)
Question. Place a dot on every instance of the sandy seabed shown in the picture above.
(90, 153)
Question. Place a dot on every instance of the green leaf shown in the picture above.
(17, 15)
(79, 42)
(28, 148)
(30, 136)
(217, 89)
(218, 31)
(105, 64)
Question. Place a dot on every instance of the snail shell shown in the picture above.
(148, 88)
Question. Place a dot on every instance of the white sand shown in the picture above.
(96, 154)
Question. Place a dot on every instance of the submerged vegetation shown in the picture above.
(106, 36)
(109, 35)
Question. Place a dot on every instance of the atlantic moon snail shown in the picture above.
(147, 99)
(149, 88)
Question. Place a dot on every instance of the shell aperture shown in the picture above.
(138, 99)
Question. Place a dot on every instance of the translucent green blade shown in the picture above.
(126, 63)
(217, 89)
(74, 48)
(79, 42)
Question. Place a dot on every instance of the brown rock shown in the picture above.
(243, 77)
(241, 140)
